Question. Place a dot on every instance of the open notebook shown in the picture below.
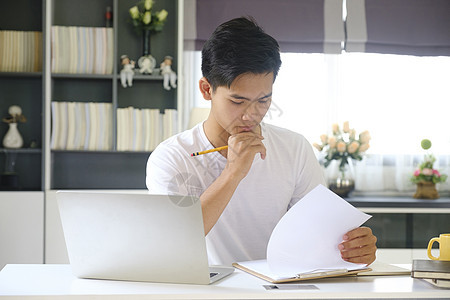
(304, 243)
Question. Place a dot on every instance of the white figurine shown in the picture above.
(127, 73)
(169, 76)
(146, 64)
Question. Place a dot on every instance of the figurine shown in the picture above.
(146, 64)
(127, 73)
(169, 76)
(13, 139)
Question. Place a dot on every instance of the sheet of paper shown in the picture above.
(308, 235)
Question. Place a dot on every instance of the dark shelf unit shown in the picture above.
(26, 90)
(110, 169)
(41, 169)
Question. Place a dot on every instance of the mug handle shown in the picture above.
(430, 244)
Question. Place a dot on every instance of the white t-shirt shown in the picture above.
(271, 187)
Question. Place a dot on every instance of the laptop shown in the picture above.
(136, 237)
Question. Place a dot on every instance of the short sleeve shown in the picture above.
(164, 172)
(310, 173)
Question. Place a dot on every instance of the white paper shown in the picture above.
(307, 237)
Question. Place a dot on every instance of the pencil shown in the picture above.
(209, 151)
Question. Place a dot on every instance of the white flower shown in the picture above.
(162, 15)
(15, 110)
(147, 18)
(148, 4)
(134, 12)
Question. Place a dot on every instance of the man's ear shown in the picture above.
(205, 88)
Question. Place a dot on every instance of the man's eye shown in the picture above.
(237, 102)
(264, 101)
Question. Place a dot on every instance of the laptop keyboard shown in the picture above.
(212, 274)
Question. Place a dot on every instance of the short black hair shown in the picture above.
(237, 47)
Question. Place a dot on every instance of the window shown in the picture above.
(400, 99)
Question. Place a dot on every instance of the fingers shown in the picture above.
(242, 148)
(249, 142)
(359, 246)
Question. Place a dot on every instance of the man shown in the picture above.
(246, 189)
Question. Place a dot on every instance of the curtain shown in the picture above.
(411, 27)
(299, 26)
(390, 174)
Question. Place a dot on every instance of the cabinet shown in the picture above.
(21, 227)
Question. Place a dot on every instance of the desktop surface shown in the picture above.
(57, 282)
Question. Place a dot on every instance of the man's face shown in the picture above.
(242, 107)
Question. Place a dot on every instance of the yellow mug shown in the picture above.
(444, 247)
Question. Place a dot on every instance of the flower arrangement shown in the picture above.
(343, 144)
(425, 171)
(143, 19)
(16, 116)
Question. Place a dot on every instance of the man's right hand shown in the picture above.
(242, 148)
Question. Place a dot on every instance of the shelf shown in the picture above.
(82, 76)
(146, 77)
(22, 150)
(21, 74)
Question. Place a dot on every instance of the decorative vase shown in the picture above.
(341, 177)
(426, 190)
(13, 139)
(146, 62)
(146, 42)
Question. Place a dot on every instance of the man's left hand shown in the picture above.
(359, 246)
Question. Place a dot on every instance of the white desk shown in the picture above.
(57, 282)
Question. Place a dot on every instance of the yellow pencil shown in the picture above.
(209, 151)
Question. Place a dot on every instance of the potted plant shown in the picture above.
(425, 176)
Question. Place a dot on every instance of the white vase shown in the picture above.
(13, 139)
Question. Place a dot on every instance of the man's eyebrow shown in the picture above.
(236, 96)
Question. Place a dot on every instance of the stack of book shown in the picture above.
(20, 51)
(143, 129)
(436, 272)
(81, 50)
(81, 126)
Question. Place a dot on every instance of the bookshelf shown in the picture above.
(40, 168)
(112, 169)
(23, 89)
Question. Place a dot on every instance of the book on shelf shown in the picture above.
(71, 126)
(81, 126)
(139, 129)
(169, 123)
(20, 51)
(82, 50)
(430, 269)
